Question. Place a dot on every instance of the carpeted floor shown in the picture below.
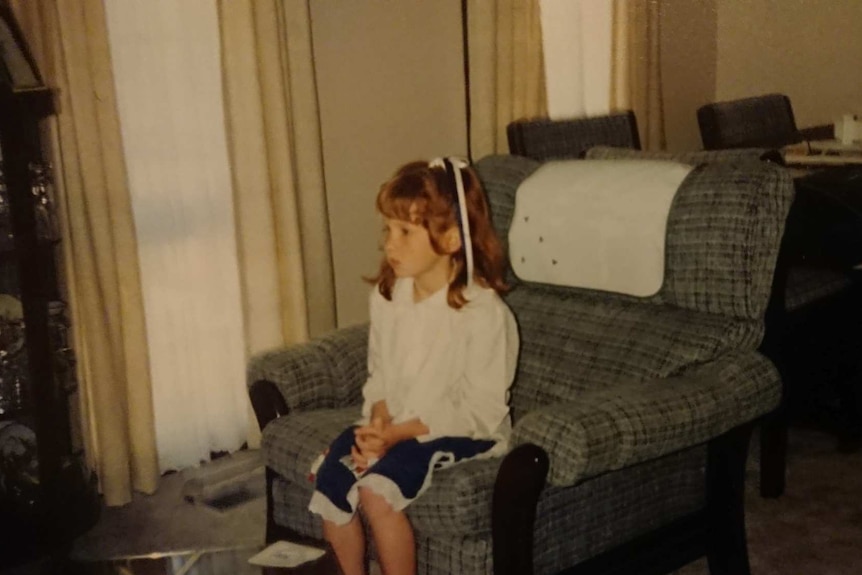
(166, 521)
(814, 529)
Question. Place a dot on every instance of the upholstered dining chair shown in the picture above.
(765, 121)
(544, 139)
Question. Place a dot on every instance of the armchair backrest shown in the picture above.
(545, 139)
(723, 234)
(692, 158)
(760, 121)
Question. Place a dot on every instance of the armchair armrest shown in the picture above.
(622, 425)
(323, 373)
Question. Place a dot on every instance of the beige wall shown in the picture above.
(810, 50)
(688, 41)
(715, 50)
(391, 90)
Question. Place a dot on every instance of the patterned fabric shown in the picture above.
(326, 372)
(576, 523)
(625, 424)
(546, 139)
(761, 122)
(453, 521)
(805, 285)
(692, 158)
(723, 232)
(568, 349)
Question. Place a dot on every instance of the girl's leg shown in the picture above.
(333, 482)
(348, 542)
(393, 534)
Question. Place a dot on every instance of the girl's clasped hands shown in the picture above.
(372, 443)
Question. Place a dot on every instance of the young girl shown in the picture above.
(441, 357)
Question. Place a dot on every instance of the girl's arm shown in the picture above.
(380, 412)
(374, 389)
(483, 388)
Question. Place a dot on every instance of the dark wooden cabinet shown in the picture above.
(47, 496)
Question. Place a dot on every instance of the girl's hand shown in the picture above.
(360, 460)
(373, 441)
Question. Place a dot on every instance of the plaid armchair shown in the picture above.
(631, 415)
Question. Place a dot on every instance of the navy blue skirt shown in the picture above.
(400, 476)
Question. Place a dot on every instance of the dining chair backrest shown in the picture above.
(758, 122)
(545, 139)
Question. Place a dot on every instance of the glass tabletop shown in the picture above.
(233, 561)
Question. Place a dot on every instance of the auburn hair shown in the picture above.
(424, 195)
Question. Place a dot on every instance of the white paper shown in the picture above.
(286, 554)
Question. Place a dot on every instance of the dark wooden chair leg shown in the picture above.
(519, 483)
(727, 546)
(773, 453)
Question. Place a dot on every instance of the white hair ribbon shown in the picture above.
(454, 167)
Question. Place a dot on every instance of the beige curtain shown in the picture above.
(636, 67)
(275, 149)
(100, 253)
(507, 72)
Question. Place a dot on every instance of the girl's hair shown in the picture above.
(426, 196)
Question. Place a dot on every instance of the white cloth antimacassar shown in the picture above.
(595, 224)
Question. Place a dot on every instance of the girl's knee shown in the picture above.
(373, 504)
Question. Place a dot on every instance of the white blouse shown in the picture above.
(450, 368)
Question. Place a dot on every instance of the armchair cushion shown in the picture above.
(620, 425)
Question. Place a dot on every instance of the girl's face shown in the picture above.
(408, 250)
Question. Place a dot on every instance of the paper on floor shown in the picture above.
(286, 554)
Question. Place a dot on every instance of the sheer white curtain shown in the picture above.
(166, 59)
(576, 38)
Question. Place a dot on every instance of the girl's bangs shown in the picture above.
(397, 208)
(397, 203)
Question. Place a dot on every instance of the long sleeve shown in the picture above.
(492, 356)
(477, 405)
(374, 389)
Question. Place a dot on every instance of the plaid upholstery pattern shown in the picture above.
(692, 158)
(323, 373)
(576, 523)
(605, 382)
(546, 139)
(568, 348)
(572, 523)
(761, 121)
(805, 285)
(621, 425)
(723, 232)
